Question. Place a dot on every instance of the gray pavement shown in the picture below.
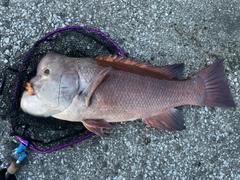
(159, 32)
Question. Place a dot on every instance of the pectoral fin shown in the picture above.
(94, 84)
(170, 120)
(96, 125)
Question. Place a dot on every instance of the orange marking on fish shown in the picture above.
(29, 89)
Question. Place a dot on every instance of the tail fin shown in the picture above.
(216, 86)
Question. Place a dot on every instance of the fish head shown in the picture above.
(53, 88)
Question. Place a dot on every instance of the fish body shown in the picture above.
(109, 89)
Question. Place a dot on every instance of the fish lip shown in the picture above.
(29, 88)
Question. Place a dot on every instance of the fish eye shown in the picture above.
(46, 72)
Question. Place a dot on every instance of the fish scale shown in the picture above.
(128, 100)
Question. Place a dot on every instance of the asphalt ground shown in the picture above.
(192, 32)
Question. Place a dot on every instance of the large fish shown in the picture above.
(113, 89)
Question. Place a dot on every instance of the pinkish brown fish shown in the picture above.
(113, 89)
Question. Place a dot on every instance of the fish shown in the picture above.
(106, 89)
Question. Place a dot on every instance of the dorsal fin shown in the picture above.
(125, 64)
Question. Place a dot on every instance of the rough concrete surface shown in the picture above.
(157, 31)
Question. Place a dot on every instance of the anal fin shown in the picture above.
(170, 120)
(96, 125)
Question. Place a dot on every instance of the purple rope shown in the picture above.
(54, 149)
(24, 64)
(88, 29)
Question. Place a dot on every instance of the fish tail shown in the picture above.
(217, 91)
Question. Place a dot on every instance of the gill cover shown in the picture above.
(54, 86)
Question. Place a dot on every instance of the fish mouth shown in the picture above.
(29, 89)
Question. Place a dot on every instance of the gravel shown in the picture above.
(159, 32)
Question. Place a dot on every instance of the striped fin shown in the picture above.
(126, 64)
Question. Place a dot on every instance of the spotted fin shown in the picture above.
(125, 64)
(94, 84)
(170, 120)
(96, 125)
